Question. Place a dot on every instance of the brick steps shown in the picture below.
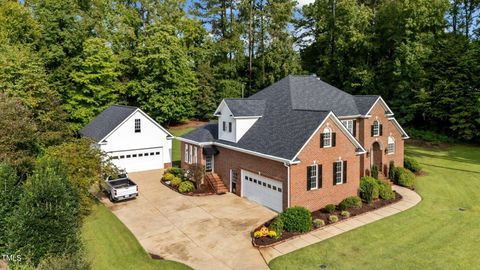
(216, 183)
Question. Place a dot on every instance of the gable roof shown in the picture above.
(365, 103)
(110, 119)
(107, 121)
(241, 107)
(285, 126)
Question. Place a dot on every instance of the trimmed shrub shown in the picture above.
(176, 181)
(404, 177)
(297, 219)
(368, 189)
(330, 208)
(186, 186)
(350, 202)
(385, 190)
(412, 164)
(333, 219)
(168, 177)
(391, 171)
(179, 172)
(374, 171)
(345, 214)
(277, 226)
(317, 223)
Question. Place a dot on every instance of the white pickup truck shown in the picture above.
(121, 188)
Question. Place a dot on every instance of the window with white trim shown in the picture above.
(195, 157)
(327, 137)
(312, 176)
(349, 125)
(137, 126)
(376, 128)
(190, 148)
(338, 172)
(224, 126)
(229, 126)
(186, 153)
(391, 145)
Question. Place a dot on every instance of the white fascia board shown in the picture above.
(399, 127)
(219, 108)
(192, 142)
(130, 116)
(348, 117)
(342, 127)
(246, 117)
(384, 104)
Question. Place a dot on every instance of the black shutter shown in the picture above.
(334, 172)
(334, 139)
(319, 175)
(345, 172)
(381, 130)
(372, 130)
(321, 140)
(309, 174)
(354, 128)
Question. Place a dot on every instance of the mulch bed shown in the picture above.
(203, 190)
(267, 241)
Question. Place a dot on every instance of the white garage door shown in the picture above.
(138, 160)
(262, 190)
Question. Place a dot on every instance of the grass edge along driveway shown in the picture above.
(110, 245)
(432, 235)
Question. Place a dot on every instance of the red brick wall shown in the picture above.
(312, 153)
(389, 129)
(228, 159)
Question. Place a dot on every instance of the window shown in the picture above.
(190, 148)
(327, 137)
(224, 126)
(128, 156)
(122, 157)
(338, 172)
(140, 155)
(391, 145)
(137, 126)
(229, 126)
(195, 159)
(312, 177)
(115, 157)
(146, 154)
(349, 125)
(134, 155)
(157, 153)
(376, 128)
(279, 190)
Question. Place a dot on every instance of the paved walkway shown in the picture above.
(410, 199)
(210, 232)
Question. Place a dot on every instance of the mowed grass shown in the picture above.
(432, 235)
(110, 245)
(176, 143)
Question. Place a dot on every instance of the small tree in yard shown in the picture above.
(391, 171)
(375, 171)
(196, 173)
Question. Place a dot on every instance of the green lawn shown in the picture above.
(432, 235)
(176, 143)
(110, 245)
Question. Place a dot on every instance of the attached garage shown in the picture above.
(263, 190)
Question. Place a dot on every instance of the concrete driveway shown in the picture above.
(210, 232)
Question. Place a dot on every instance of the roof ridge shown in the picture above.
(126, 106)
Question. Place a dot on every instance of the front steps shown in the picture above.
(216, 183)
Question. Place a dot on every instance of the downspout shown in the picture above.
(288, 183)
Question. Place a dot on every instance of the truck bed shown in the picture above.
(121, 183)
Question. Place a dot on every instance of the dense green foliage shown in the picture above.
(404, 177)
(46, 220)
(385, 190)
(368, 189)
(451, 181)
(374, 171)
(10, 191)
(297, 219)
(391, 170)
(350, 202)
(329, 208)
(412, 164)
(186, 186)
(277, 226)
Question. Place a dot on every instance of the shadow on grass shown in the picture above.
(456, 155)
(450, 168)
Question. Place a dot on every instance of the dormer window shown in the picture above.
(137, 126)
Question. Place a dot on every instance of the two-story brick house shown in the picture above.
(299, 141)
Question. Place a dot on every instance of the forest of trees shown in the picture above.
(176, 59)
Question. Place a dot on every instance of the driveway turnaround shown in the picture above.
(209, 232)
(410, 199)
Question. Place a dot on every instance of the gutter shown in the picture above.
(288, 183)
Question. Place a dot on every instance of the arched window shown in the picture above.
(327, 137)
(391, 145)
(376, 128)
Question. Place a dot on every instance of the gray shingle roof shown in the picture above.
(106, 121)
(294, 107)
(245, 107)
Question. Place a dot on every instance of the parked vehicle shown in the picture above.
(120, 188)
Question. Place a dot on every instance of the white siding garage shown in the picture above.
(138, 160)
(263, 190)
